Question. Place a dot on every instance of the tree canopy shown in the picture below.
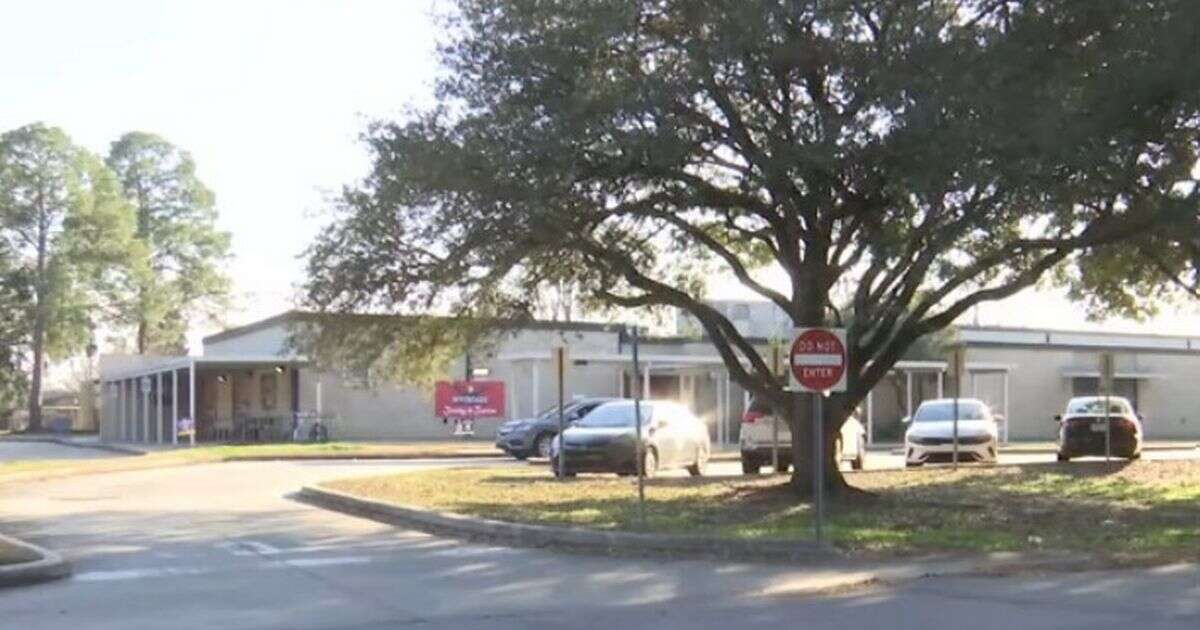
(176, 225)
(68, 232)
(900, 162)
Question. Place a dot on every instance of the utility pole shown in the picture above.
(637, 413)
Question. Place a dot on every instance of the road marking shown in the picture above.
(324, 562)
(138, 574)
(161, 572)
(247, 548)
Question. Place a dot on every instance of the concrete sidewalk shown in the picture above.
(1042, 447)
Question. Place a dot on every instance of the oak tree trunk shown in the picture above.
(803, 470)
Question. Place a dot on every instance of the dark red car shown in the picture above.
(1083, 428)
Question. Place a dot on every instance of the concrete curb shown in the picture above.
(1041, 450)
(351, 457)
(525, 535)
(825, 569)
(51, 566)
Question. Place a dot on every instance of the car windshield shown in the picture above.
(1095, 406)
(944, 411)
(614, 415)
(551, 413)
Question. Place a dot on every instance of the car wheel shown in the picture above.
(557, 473)
(1135, 456)
(913, 464)
(521, 456)
(649, 463)
(783, 467)
(541, 445)
(697, 469)
(1063, 457)
(750, 466)
(860, 460)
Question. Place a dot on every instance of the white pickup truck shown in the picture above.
(758, 434)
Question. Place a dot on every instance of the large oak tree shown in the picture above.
(899, 161)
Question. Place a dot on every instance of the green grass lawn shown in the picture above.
(1145, 510)
(12, 554)
(24, 469)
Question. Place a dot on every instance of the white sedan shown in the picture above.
(930, 434)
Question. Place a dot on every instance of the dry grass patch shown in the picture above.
(1145, 510)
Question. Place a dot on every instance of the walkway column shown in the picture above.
(125, 409)
(908, 386)
(533, 402)
(158, 425)
(144, 385)
(941, 384)
(720, 411)
(175, 406)
(1007, 417)
(192, 403)
(646, 382)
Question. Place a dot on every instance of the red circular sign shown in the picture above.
(818, 359)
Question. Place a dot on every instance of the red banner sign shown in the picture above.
(469, 399)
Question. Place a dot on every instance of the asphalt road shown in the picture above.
(221, 546)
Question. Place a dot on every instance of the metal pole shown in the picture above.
(776, 359)
(560, 368)
(1007, 416)
(1107, 426)
(818, 467)
(637, 415)
(871, 417)
(957, 393)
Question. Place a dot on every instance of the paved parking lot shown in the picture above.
(221, 546)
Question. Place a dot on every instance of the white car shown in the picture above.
(930, 434)
(758, 433)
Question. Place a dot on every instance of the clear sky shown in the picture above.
(269, 96)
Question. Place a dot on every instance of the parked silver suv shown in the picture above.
(758, 434)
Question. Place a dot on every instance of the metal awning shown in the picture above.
(1137, 375)
(167, 364)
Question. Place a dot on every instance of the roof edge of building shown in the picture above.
(296, 315)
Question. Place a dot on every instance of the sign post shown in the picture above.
(639, 462)
(1108, 369)
(960, 367)
(818, 360)
(776, 369)
(560, 370)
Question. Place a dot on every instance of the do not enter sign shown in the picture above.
(818, 360)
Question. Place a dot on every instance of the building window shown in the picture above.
(739, 312)
(1123, 387)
